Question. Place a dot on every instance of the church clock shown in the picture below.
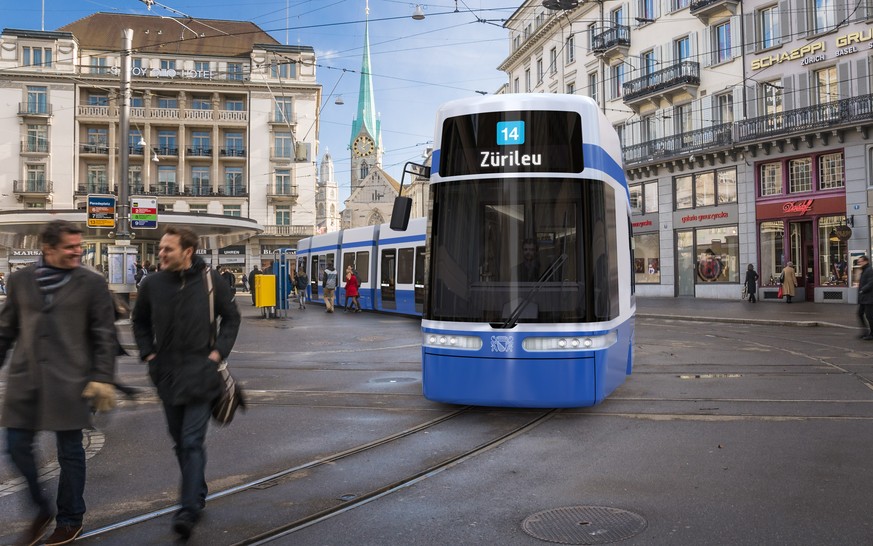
(363, 146)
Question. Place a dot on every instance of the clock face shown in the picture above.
(362, 146)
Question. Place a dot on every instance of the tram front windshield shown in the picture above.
(523, 250)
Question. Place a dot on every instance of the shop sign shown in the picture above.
(24, 252)
(798, 207)
(844, 233)
(644, 223)
(233, 250)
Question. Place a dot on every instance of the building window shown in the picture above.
(570, 49)
(168, 102)
(233, 144)
(527, 87)
(365, 170)
(553, 61)
(200, 181)
(233, 181)
(197, 208)
(136, 63)
(201, 103)
(706, 189)
(37, 139)
(168, 64)
(825, 17)
(682, 49)
(97, 139)
(97, 100)
(682, 117)
(136, 102)
(676, 5)
(771, 97)
(283, 145)
(35, 178)
(771, 179)
(646, 9)
(648, 63)
(571, 88)
(99, 65)
(134, 178)
(283, 70)
(724, 108)
(540, 74)
(283, 182)
(36, 56)
(830, 171)
(235, 71)
(167, 143)
(644, 198)
(833, 253)
(201, 143)
(37, 100)
(283, 215)
(770, 236)
(516, 86)
(592, 86)
(617, 80)
(722, 49)
(166, 180)
(201, 68)
(768, 27)
(233, 210)
(800, 175)
(647, 258)
(284, 110)
(826, 85)
(235, 105)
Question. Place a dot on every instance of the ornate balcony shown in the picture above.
(38, 146)
(682, 78)
(288, 231)
(234, 152)
(199, 152)
(34, 108)
(93, 187)
(612, 42)
(32, 187)
(282, 193)
(94, 148)
(705, 10)
(717, 136)
(830, 115)
(167, 151)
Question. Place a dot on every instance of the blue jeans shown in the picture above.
(71, 458)
(187, 425)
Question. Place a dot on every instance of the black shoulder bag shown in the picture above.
(232, 396)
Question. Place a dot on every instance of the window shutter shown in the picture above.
(785, 22)
(751, 33)
(800, 19)
(843, 75)
(751, 102)
(703, 41)
(736, 40)
(788, 100)
(862, 70)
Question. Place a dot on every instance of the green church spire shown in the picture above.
(366, 114)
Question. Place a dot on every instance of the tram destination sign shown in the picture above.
(101, 211)
(143, 212)
(512, 142)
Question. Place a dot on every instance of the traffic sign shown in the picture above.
(101, 211)
(143, 212)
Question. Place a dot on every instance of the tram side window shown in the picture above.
(419, 266)
(405, 265)
(314, 275)
(362, 266)
(348, 260)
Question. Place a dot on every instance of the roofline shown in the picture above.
(50, 34)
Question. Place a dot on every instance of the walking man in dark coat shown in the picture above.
(253, 276)
(176, 336)
(61, 318)
(865, 297)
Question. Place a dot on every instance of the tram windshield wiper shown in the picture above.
(547, 274)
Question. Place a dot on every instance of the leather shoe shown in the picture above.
(37, 529)
(183, 523)
(868, 337)
(63, 534)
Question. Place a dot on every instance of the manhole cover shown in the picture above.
(584, 525)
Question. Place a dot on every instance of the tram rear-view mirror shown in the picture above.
(400, 213)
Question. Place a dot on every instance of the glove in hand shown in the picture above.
(101, 395)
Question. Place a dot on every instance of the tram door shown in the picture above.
(388, 278)
(313, 279)
(419, 279)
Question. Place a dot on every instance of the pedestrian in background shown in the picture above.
(60, 317)
(789, 281)
(228, 276)
(176, 336)
(865, 297)
(245, 282)
(302, 283)
(329, 282)
(253, 281)
(352, 290)
(752, 283)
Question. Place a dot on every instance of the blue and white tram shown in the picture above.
(389, 264)
(530, 289)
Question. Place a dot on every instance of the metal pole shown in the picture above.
(123, 232)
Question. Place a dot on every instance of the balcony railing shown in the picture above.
(845, 111)
(232, 190)
(681, 73)
(199, 152)
(165, 113)
(200, 190)
(716, 136)
(164, 150)
(34, 109)
(233, 152)
(135, 150)
(233, 115)
(38, 185)
(618, 36)
(94, 148)
(284, 190)
(35, 146)
(199, 115)
(697, 5)
(94, 111)
(288, 231)
(93, 187)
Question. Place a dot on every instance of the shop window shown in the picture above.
(718, 254)
(644, 198)
(800, 175)
(771, 236)
(684, 192)
(833, 253)
(647, 258)
(771, 179)
(726, 182)
(704, 190)
(830, 172)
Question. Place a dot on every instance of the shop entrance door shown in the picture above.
(685, 266)
(802, 252)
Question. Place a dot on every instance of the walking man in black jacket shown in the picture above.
(865, 298)
(174, 333)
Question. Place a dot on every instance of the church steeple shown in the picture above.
(366, 119)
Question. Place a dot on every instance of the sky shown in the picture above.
(415, 65)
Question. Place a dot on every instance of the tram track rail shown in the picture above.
(285, 483)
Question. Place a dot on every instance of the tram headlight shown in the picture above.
(471, 343)
(568, 343)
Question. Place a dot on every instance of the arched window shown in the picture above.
(365, 170)
(375, 219)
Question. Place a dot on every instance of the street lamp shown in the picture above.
(560, 4)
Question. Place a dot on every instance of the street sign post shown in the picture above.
(101, 211)
(143, 212)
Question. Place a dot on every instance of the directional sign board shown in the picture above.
(101, 211)
(143, 212)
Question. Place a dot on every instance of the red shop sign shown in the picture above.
(801, 207)
(798, 207)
